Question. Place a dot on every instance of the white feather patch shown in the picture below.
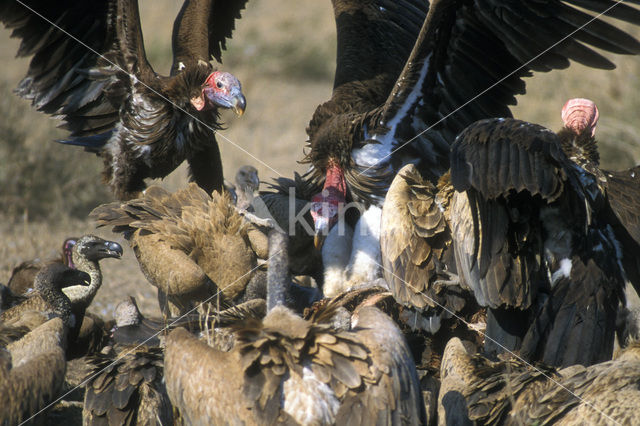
(563, 271)
(308, 400)
(373, 153)
(364, 264)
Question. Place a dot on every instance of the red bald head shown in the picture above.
(325, 206)
(221, 90)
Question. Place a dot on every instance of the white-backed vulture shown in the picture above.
(287, 369)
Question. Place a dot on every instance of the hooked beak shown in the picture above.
(112, 249)
(239, 103)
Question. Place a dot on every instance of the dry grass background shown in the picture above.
(283, 51)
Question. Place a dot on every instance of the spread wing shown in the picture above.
(622, 189)
(504, 170)
(86, 57)
(470, 57)
(202, 28)
(622, 192)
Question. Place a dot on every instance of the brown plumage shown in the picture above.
(114, 104)
(407, 81)
(287, 369)
(49, 298)
(8, 298)
(32, 372)
(23, 275)
(126, 388)
(417, 251)
(189, 245)
(511, 392)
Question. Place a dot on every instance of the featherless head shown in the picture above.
(580, 115)
(325, 206)
(67, 249)
(221, 90)
(247, 178)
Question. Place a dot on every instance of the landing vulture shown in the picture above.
(392, 105)
(89, 68)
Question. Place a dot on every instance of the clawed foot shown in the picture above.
(258, 221)
(450, 280)
(478, 327)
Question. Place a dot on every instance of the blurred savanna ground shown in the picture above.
(283, 51)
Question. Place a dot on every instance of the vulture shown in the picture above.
(126, 388)
(131, 327)
(289, 370)
(512, 392)
(410, 76)
(190, 245)
(537, 238)
(87, 333)
(124, 385)
(8, 298)
(274, 203)
(89, 67)
(86, 254)
(417, 251)
(193, 246)
(32, 372)
(23, 275)
(524, 225)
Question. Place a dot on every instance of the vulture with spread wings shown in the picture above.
(89, 68)
(539, 233)
(392, 105)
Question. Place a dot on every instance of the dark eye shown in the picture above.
(219, 85)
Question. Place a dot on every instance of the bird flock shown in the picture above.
(440, 262)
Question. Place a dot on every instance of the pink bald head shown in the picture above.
(580, 115)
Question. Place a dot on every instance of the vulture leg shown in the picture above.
(205, 167)
(452, 280)
(258, 221)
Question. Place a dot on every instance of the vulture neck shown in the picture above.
(335, 179)
(79, 295)
(55, 299)
(580, 148)
(278, 279)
